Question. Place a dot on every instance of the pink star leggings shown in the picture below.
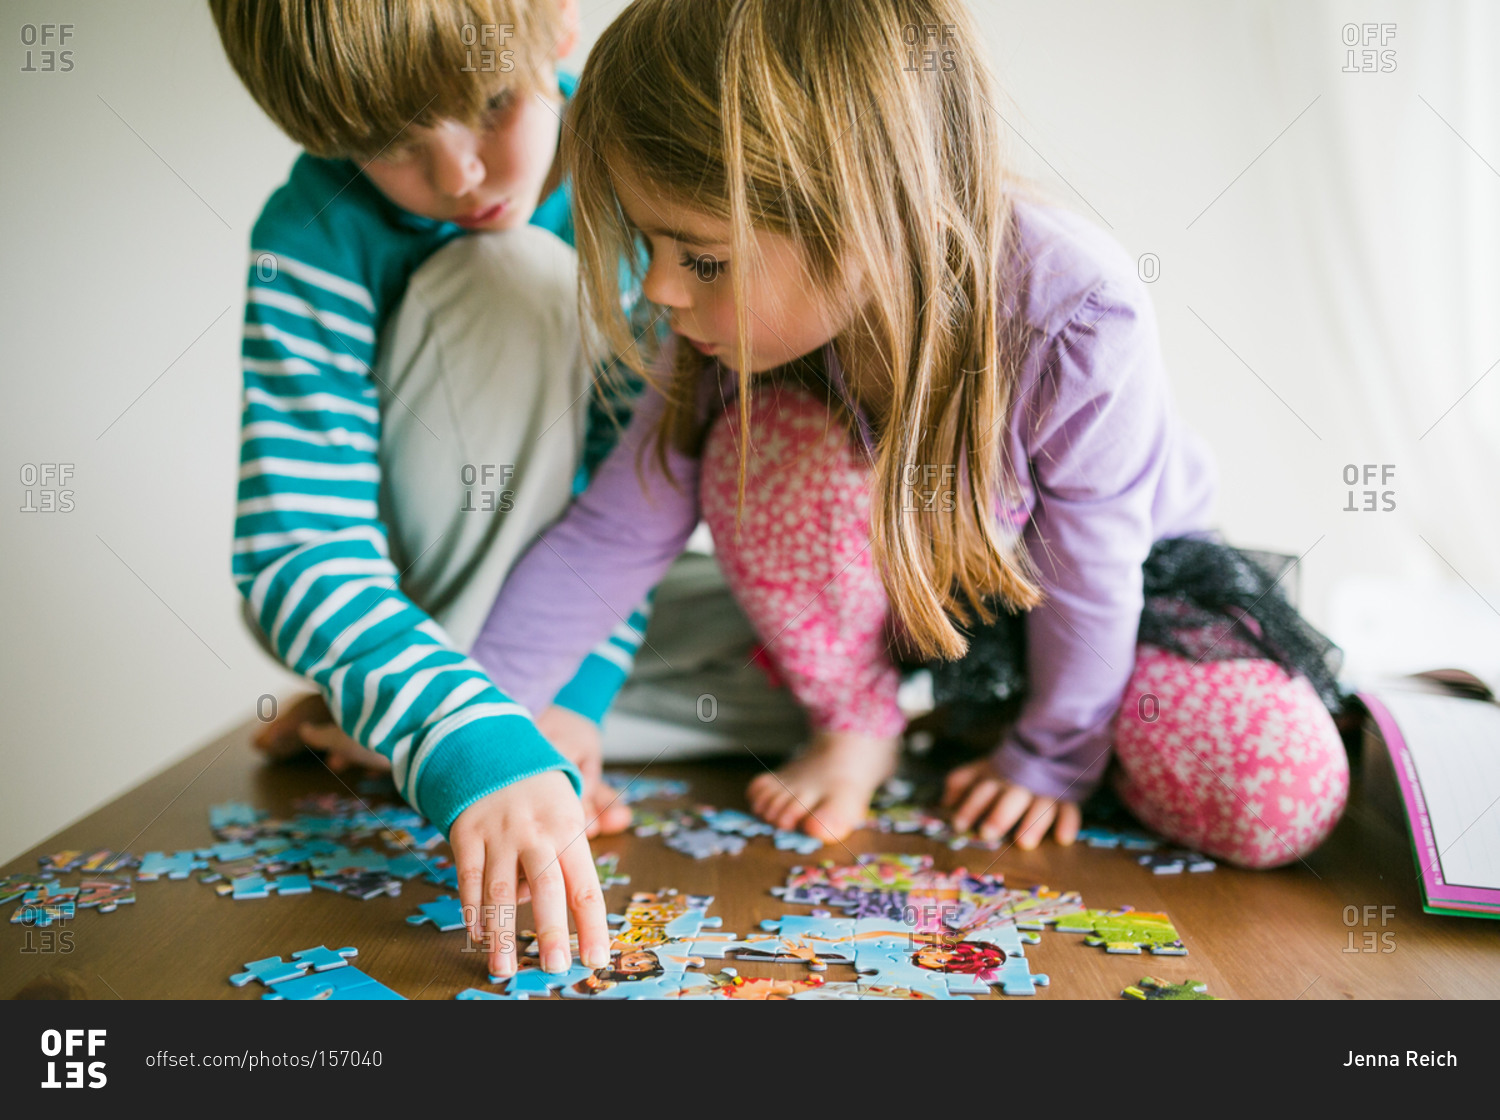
(1230, 757)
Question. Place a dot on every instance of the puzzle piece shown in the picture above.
(649, 822)
(353, 862)
(179, 865)
(799, 842)
(234, 814)
(446, 914)
(322, 959)
(104, 895)
(363, 885)
(733, 822)
(341, 984)
(292, 884)
(14, 886)
(248, 887)
(1149, 987)
(700, 843)
(728, 984)
(1125, 931)
(849, 990)
(269, 970)
(43, 913)
(533, 983)
(608, 866)
(445, 875)
(1097, 836)
(1176, 862)
(107, 862)
(227, 850)
(59, 862)
(631, 788)
(408, 866)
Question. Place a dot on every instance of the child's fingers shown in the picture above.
(980, 797)
(498, 912)
(586, 902)
(468, 857)
(1069, 821)
(958, 781)
(1034, 825)
(549, 907)
(1007, 810)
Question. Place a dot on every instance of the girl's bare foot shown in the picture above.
(826, 790)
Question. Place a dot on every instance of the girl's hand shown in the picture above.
(577, 739)
(531, 830)
(306, 723)
(992, 806)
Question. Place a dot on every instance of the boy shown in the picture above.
(385, 487)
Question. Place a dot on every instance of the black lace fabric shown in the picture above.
(1204, 600)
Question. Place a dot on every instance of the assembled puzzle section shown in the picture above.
(318, 973)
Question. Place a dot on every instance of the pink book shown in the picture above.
(1442, 733)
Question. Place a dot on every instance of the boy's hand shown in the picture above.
(577, 739)
(306, 723)
(531, 830)
(992, 806)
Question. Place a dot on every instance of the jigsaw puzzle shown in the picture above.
(445, 913)
(608, 867)
(631, 788)
(701, 843)
(179, 865)
(1149, 987)
(1098, 836)
(1177, 861)
(314, 974)
(1125, 931)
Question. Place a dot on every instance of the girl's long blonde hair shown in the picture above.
(867, 131)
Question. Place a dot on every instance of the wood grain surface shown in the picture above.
(1294, 933)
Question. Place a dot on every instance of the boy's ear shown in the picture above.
(567, 10)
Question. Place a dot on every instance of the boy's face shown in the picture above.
(488, 177)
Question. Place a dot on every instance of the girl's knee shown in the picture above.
(1231, 757)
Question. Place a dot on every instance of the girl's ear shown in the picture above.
(567, 11)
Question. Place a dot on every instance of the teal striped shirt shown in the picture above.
(329, 262)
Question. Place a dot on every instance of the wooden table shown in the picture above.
(1296, 933)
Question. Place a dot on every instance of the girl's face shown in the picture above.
(789, 312)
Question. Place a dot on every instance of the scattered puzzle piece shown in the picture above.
(342, 984)
(179, 865)
(700, 843)
(608, 866)
(632, 788)
(1125, 931)
(1149, 987)
(445, 913)
(1176, 862)
(1097, 836)
(799, 842)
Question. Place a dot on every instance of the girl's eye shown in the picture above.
(501, 101)
(708, 268)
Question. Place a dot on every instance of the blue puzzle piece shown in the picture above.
(1098, 837)
(249, 886)
(1014, 978)
(734, 822)
(340, 984)
(228, 850)
(701, 843)
(407, 866)
(179, 865)
(444, 876)
(446, 913)
(669, 986)
(799, 842)
(292, 884)
(269, 970)
(322, 959)
(533, 982)
(234, 813)
(364, 859)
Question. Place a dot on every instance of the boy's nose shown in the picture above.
(456, 166)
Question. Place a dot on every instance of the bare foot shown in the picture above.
(826, 790)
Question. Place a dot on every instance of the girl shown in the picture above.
(926, 420)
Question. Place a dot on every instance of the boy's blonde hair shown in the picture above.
(345, 78)
(829, 122)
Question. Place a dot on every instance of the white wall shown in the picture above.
(129, 185)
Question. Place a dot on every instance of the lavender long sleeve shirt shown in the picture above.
(1108, 470)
